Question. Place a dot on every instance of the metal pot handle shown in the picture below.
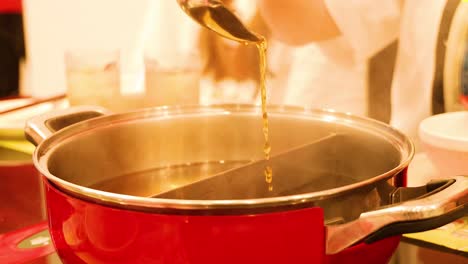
(43, 126)
(445, 205)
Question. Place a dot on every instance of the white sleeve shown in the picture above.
(368, 25)
(415, 66)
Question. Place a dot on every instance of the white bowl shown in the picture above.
(444, 138)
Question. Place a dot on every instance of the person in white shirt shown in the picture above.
(335, 39)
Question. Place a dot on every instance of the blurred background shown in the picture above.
(48, 45)
(12, 51)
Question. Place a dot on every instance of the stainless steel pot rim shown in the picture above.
(40, 156)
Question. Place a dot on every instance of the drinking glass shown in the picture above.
(172, 81)
(93, 77)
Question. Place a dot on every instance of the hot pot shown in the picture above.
(102, 173)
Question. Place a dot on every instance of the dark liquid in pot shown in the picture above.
(325, 163)
(153, 182)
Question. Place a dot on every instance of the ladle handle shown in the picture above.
(435, 209)
(43, 126)
(26, 245)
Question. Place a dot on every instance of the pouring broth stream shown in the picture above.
(222, 21)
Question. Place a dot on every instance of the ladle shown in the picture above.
(214, 15)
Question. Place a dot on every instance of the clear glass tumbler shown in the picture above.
(174, 81)
(93, 78)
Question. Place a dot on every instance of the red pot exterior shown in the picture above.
(85, 232)
(21, 199)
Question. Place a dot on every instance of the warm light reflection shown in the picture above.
(329, 118)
